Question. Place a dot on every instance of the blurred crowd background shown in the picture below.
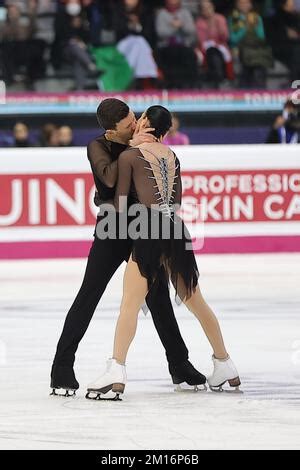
(127, 45)
(117, 45)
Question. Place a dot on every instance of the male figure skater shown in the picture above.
(106, 255)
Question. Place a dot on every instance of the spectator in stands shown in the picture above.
(94, 10)
(175, 137)
(53, 140)
(176, 33)
(45, 18)
(175, 25)
(71, 42)
(248, 36)
(213, 35)
(191, 5)
(21, 135)
(285, 36)
(47, 134)
(45, 11)
(18, 46)
(65, 136)
(286, 127)
(134, 27)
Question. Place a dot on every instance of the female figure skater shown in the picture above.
(150, 173)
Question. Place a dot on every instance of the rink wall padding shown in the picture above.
(236, 199)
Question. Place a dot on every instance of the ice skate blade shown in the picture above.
(234, 391)
(234, 386)
(233, 383)
(220, 389)
(98, 397)
(103, 390)
(117, 388)
(66, 394)
(195, 389)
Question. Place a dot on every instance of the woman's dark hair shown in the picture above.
(159, 118)
(111, 111)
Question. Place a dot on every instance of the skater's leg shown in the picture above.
(104, 258)
(160, 306)
(197, 305)
(134, 292)
(159, 303)
(224, 368)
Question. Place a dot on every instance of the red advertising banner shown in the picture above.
(46, 200)
(243, 196)
(236, 199)
(210, 196)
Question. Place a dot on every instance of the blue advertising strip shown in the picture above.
(26, 103)
(138, 108)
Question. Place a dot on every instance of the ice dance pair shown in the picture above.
(149, 175)
(121, 130)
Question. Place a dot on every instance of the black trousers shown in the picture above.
(104, 259)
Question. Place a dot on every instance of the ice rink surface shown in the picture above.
(257, 300)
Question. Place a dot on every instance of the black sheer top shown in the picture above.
(103, 156)
(150, 174)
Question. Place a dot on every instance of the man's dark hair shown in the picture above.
(160, 118)
(111, 111)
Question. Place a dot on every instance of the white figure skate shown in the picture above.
(114, 379)
(224, 371)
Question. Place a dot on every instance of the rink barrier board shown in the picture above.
(248, 195)
(80, 249)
